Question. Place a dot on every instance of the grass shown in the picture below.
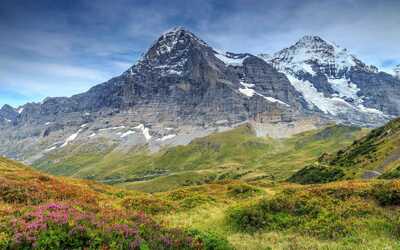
(376, 155)
(234, 154)
(46, 212)
(339, 215)
(252, 214)
(377, 151)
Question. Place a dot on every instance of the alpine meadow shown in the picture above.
(199, 125)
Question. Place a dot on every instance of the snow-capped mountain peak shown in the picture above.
(169, 53)
(177, 38)
(312, 51)
(323, 72)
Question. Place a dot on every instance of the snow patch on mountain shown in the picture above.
(345, 88)
(331, 105)
(230, 59)
(71, 138)
(50, 149)
(145, 131)
(247, 90)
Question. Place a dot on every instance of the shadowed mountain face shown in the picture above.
(182, 78)
(182, 89)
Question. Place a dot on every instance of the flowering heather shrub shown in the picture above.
(64, 226)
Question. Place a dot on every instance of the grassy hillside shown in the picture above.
(375, 155)
(38, 211)
(45, 212)
(234, 154)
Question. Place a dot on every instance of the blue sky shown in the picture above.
(63, 47)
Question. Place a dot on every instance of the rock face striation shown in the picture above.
(182, 88)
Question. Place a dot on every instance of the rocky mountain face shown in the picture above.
(8, 114)
(397, 71)
(182, 89)
(337, 83)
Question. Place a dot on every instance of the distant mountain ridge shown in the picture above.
(182, 88)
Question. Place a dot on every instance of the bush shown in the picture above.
(242, 190)
(149, 205)
(4, 240)
(249, 219)
(211, 241)
(392, 174)
(317, 214)
(190, 198)
(61, 226)
(317, 174)
(387, 194)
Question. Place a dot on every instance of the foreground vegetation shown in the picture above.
(45, 212)
(229, 190)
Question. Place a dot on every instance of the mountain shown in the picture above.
(7, 114)
(182, 89)
(334, 81)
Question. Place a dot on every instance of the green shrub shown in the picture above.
(195, 200)
(387, 194)
(248, 219)
(211, 241)
(311, 212)
(148, 204)
(392, 174)
(317, 174)
(242, 190)
(4, 240)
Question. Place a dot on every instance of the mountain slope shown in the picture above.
(376, 153)
(237, 153)
(337, 83)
